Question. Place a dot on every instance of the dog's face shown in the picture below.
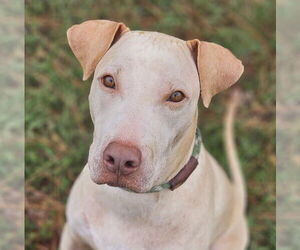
(143, 103)
(144, 94)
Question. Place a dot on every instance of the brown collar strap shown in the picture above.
(183, 174)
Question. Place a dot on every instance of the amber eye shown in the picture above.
(176, 96)
(108, 81)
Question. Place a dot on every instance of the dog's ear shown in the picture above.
(218, 68)
(90, 40)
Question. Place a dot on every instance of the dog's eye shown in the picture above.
(108, 81)
(176, 96)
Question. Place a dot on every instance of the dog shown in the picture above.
(163, 189)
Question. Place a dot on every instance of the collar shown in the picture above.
(184, 173)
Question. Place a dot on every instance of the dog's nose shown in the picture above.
(121, 159)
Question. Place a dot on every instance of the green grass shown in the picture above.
(58, 124)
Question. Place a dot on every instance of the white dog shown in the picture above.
(164, 190)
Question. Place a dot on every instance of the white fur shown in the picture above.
(147, 66)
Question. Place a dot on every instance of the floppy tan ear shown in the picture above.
(90, 40)
(218, 68)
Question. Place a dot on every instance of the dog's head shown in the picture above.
(143, 98)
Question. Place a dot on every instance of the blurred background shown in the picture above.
(12, 125)
(59, 128)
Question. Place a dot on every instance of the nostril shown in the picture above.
(129, 164)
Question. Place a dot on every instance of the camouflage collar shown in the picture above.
(184, 173)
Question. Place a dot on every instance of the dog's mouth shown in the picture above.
(125, 184)
(124, 187)
(137, 182)
(129, 188)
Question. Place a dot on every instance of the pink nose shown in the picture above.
(121, 159)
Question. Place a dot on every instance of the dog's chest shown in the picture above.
(116, 232)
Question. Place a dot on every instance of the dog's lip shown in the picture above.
(111, 184)
(123, 186)
(119, 185)
(114, 181)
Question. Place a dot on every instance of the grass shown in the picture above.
(58, 124)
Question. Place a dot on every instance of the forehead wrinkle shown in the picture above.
(146, 47)
(156, 78)
(139, 41)
(166, 59)
(156, 38)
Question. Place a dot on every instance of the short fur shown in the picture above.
(207, 211)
